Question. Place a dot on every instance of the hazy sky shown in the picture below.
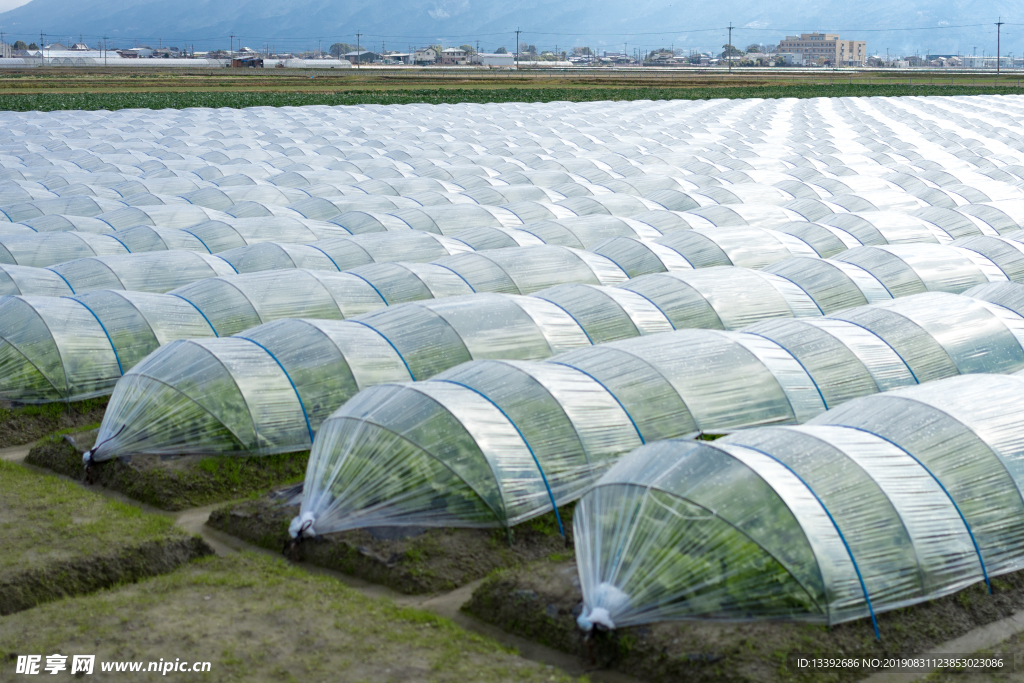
(11, 4)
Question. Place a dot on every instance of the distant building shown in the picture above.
(453, 56)
(821, 48)
(492, 59)
(6, 51)
(662, 58)
(362, 57)
(247, 61)
(985, 62)
(80, 47)
(427, 55)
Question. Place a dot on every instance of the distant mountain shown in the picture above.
(601, 24)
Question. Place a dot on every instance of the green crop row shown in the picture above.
(240, 99)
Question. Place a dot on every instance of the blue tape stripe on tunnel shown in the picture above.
(309, 427)
(551, 495)
(198, 310)
(103, 327)
(856, 568)
(977, 549)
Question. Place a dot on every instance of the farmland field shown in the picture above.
(642, 377)
(83, 88)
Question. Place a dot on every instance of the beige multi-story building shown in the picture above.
(818, 48)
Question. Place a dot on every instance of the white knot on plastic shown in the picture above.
(87, 458)
(302, 526)
(606, 598)
(587, 620)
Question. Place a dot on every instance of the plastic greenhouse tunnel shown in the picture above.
(531, 437)
(47, 249)
(887, 501)
(231, 304)
(714, 298)
(73, 348)
(268, 389)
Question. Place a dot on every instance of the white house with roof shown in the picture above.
(453, 56)
(427, 55)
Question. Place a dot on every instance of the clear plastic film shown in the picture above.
(158, 271)
(910, 269)
(462, 453)
(585, 231)
(172, 216)
(607, 313)
(888, 227)
(32, 281)
(834, 285)
(57, 223)
(1007, 254)
(97, 337)
(789, 371)
(526, 270)
(636, 257)
(941, 335)
(234, 303)
(45, 249)
(224, 235)
(148, 238)
(723, 297)
(819, 523)
(325, 363)
(966, 432)
(277, 256)
(735, 246)
(53, 349)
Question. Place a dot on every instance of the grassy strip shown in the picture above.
(411, 560)
(541, 602)
(177, 482)
(59, 539)
(258, 619)
(26, 423)
(242, 99)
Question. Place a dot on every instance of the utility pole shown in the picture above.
(104, 50)
(517, 48)
(999, 30)
(42, 43)
(231, 47)
(729, 55)
(359, 57)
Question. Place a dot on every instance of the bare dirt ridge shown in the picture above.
(23, 424)
(170, 482)
(410, 560)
